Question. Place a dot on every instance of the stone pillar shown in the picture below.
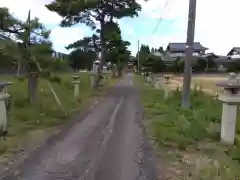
(76, 83)
(3, 112)
(157, 83)
(229, 117)
(93, 73)
(230, 100)
(92, 79)
(105, 73)
(108, 75)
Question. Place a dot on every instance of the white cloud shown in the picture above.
(62, 37)
(217, 24)
(21, 8)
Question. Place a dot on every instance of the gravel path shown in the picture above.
(108, 144)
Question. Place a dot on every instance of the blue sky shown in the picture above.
(216, 23)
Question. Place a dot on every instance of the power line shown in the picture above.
(156, 27)
(161, 17)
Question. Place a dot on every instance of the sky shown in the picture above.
(159, 22)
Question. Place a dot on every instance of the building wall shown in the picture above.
(182, 54)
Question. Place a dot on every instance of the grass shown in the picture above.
(208, 83)
(187, 140)
(27, 123)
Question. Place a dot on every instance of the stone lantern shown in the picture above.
(4, 95)
(95, 68)
(230, 100)
(76, 83)
(109, 67)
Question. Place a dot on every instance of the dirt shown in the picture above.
(109, 143)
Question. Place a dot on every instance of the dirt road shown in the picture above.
(108, 144)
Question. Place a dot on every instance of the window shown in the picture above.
(180, 54)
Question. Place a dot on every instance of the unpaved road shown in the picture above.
(108, 144)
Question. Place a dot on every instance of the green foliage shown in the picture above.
(85, 50)
(74, 12)
(24, 118)
(154, 64)
(31, 34)
(80, 59)
(233, 67)
(187, 137)
(177, 66)
(201, 63)
(180, 128)
(144, 53)
(88, 12)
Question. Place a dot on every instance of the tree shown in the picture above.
(160, 49)
(144, 53)
(80, 59)
(31, 46)
(116, 48)
(90, 12)
(155, 64)
(84, 52)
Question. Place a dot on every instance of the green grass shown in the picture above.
(189, 137)
(26, 121)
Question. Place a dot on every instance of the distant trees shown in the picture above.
(149, 61)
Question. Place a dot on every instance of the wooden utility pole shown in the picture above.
(138, 64)
(189, 53)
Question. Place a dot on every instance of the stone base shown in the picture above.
(229, 116)
(3, 112)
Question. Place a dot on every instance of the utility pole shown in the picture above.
(138, 64)
(189, 53)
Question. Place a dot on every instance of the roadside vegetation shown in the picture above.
(188, 140)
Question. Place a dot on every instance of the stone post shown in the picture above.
(3, 113)
(4, 88)
(230, 100)
(93, 73)
(158, 83)
(105, 73)
(76, 83)
(92, 79)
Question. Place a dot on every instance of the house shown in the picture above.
(179, 49)
(210, 56)
(234, 53)
(165, 57)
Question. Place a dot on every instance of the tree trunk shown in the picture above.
(32, 87)
(18, 68)
(102, 57)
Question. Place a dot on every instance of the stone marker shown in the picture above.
(3, 112)
(4, 85)
(230, 100)
(105, 73)
(93, 73)
(157, 83)
(4, 88)
(76, 83)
